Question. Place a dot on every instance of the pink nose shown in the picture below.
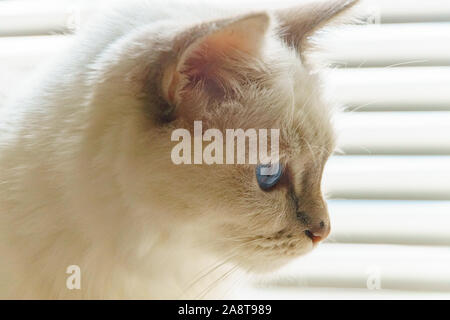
(318, 232)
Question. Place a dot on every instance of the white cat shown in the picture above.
(86, 177)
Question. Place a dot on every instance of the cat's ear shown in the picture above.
(206, 61)
(297, 24)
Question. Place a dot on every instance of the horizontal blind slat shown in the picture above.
(34, 17)
(388, 177)
(273, 292)
(408, 87)
(390, 222)
(401, 11)
(412, 44)
(393, 133)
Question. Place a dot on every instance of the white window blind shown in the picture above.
(389, 183)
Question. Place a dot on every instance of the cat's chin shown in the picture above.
(262, 265)
(267, 267)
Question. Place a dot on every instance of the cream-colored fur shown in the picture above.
(85, 171)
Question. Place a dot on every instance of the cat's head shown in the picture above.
(246, 72)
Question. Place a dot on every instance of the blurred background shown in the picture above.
(389, 182)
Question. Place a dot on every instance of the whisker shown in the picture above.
(215, 282)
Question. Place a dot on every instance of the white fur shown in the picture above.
(86, 180)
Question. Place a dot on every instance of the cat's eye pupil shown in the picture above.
(266, 182)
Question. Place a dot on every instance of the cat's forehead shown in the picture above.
(310, 132)
(306, 114)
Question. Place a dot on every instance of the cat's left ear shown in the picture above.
(297, 24)
(207, 61)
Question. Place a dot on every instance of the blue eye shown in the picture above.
(268, 175)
